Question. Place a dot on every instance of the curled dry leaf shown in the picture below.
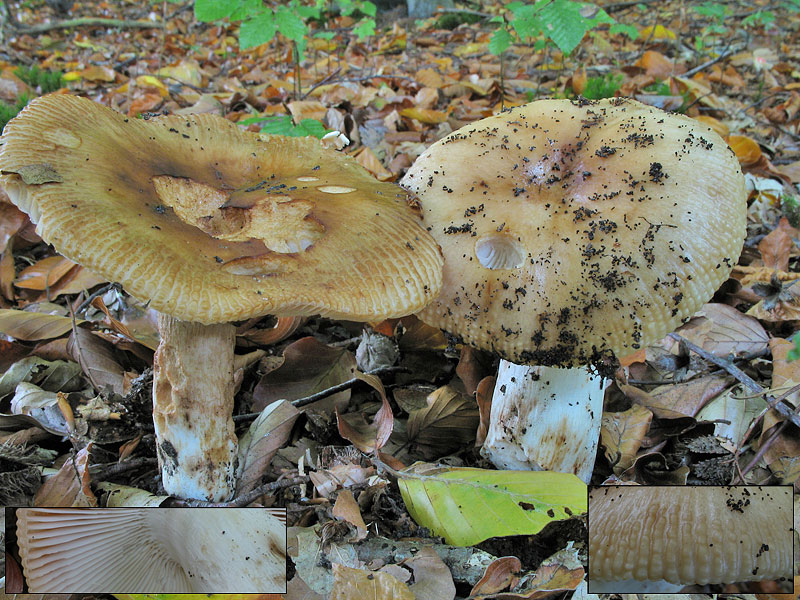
(351, 583)
(347, 509)
(309, 367)
(746, 149)
(778, 246)
(368, 437)
(622, 433)
(722, 330)
(266, 435)
(447, 423)
(501, 574)
(97, 360)
(432, 578)
(70, 486)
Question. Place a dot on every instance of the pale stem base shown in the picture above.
(193, 407)
(545, 418)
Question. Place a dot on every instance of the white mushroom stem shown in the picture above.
(545, 418)
(192, 409)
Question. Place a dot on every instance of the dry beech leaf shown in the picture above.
(469, 369)
(746, 149)
(483, 396)
(785, 308)
(349, 583)
(778, 245)
(70, 486)
(722, 330)
(11, 221)
(427, 116)
(687, 398)
(501, 574)
(367, 159)
(99, 73)
(44, 274)
(448, 422)
(429, 78)
(309, 366)
(714, 124)
(656, 64)
(266, 435)
(432, 578)
(368, 437)
(427, 97)
(78, 279)
(346, 508)
(557, 574)
(96, 358)
(622, 433)
(307, 109)
(421, 336)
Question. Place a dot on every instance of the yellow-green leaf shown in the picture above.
(467, 506)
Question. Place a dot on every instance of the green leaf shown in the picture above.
(501, 40)
(258, 30)
(368, 8)
(290, 24)
(364, 29)
(247, 9)
(283, 125)
(325, 35)
(629, 30)
(564, 24)
(467, 506)
(214, 10)
(526, 21)
(308, 12)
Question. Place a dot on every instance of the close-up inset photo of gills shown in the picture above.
(661, 539)
(151, 550)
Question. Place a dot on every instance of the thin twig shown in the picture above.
(740, 375)
(100, 472)
(89, 22)
(708, 63)
(323, 81)
(300, 402)
(244, 499)
(85, 304)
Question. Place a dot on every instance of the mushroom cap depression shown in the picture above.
(571, 228)
(690, 534)
(210, 223)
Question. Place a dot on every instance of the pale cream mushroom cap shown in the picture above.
(212, 224)
(152, 550)
(689, 534)
(571, 228)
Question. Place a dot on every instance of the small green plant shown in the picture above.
(659, 88)
(563, 22)
(41, 80)
(9, 111)
(791, 209)
(794, 353)
(260, 23)
(602, 87)
(454, 19)
(283, 125)
(717, 13)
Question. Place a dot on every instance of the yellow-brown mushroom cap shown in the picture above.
(571, 228)
(690, 534)
(212, 224)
